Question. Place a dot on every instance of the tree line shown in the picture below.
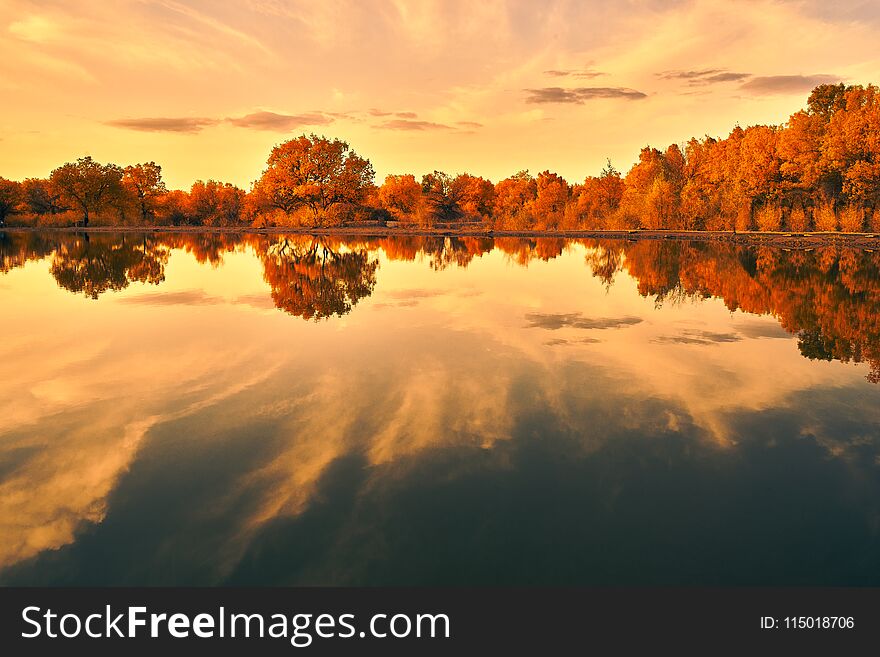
(818, 171)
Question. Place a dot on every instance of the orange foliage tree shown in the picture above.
(314, 172)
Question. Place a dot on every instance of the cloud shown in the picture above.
(558, 342)
(189, 125)
(762, 329)
(280, 122)
(259, 301)
(400, 115)
(256, 121)
(182, 298)
(704, 76)
(786, 84)
(469, 124)
(197, 298)
(575, 73)
(406, 124)
(578, 95)
(695, 336)
(554, 321)
(412, 297)
(417, 293)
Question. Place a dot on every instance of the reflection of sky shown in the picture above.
(192, 433)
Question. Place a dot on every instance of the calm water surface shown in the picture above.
(217, 409)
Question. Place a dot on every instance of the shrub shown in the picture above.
(874, 220)
(797, 220)
(852, 219)
(824, 217)
(768, 218)
(744, 218)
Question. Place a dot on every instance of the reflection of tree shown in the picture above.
(314, 279)
(16, 249)
(441, 252)
(829, 296)
(205, 247)
(93, 265)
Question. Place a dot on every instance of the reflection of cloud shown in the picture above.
(406, 124)
(164, 124)
(759, 329)
(412, 297)
(196, 298)
(695, 336)
(558, 342)
(786, 84)
(554, 321)
(87, 422)
(182, 298)
(262, 301)
(579, 95)
(415, 293)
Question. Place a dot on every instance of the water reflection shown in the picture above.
(317, 279)
(454, 411)
(828, 296)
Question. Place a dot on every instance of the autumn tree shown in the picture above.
(214, 203)
(401, 196)
(650, 199)
(441, 197)
(513, 200)
(551, 197)
(852, 144)
(313, 172)
(597, 199)
(144, 182)
(10, 197)
(474, 195)
(41, 197)
(87, 184)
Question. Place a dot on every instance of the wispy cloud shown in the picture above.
(574, 73)
(164, 124)
(579, 95)
(406, 124)
(400, 115)
(555, 321)
(279, 122)
(696, 336)
(469, 124)
(704, 77)
(255, 121)
(181, 298)
(786, 84)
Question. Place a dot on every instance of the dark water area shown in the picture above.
(226, 409)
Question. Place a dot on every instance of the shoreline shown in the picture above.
(782, 239)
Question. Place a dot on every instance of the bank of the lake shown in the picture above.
(779, 239)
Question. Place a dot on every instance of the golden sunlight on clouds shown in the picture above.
(207, 88)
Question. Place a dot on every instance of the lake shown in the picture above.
(263, 409)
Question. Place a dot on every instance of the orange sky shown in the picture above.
(207, 88)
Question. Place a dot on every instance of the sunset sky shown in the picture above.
(206, 88)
